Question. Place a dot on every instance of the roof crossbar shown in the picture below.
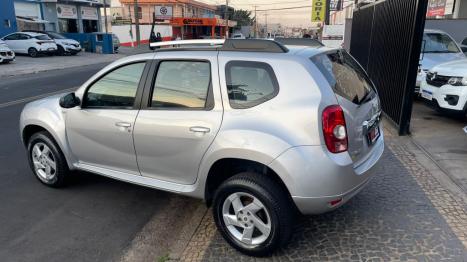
(239, 45)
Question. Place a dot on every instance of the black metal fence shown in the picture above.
(386, 40)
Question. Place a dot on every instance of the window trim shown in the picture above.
(150, 85)
(139, 89)
(252, 64)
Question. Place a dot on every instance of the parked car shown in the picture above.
(446, 86)
(255, 128)
(30, 43)
(6, 55)
(116, 42)
(64, 45)
(438, 47)
(238, 36)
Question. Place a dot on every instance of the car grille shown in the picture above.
(6, 53)
(438, 80)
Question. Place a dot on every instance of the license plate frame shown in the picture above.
(373, 134)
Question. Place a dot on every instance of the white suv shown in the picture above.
(255, 128)
(6, 55)
(30, 43)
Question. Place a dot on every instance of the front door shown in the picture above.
(180, 116)
(100, 132)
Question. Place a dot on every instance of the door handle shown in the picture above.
(200, 129)
(123, 124)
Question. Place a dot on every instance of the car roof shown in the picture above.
(31, 33)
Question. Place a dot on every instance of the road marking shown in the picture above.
(32, 98)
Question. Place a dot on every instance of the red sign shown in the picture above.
(436, 8)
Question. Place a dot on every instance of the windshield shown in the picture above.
(56, 35)
(439, 43)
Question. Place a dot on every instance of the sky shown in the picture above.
(291, 17)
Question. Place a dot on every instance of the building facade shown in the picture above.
(64, 16)
(189, 19)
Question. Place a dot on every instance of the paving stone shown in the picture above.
(403, 214)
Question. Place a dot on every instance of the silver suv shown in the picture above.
(257, 128)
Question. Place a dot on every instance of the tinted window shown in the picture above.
(12, 37)
(250, 83)
(56, 35)
(23, 37)
(116, 89)
(439, 43)
(464, 42)
(345, 75)
(182, 84)
(43, 37)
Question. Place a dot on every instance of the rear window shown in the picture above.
(345, 75)
(43, 37)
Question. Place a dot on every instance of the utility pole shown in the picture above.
(131, 25)
(256, 23)
(226, 17)
(105, 16)
(266, 18)
(327, 13)
(137, 23)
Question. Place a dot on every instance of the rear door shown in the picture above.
(357, 97)
(180, 115)
(13, 42)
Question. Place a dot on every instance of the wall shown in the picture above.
(456, 28)
(123, 33)
(49, 12)
(7, 12)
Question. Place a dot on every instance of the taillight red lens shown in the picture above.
(334, 129)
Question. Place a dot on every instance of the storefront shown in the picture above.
(28, 16)
(196, 28)
(67, 16)
(90, 18)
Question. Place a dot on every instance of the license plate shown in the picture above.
(51, 49)
(427, 95)
(373, 135)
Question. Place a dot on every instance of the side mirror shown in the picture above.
(69, 101)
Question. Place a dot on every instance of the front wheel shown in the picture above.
(47, 160)
(32, 52)
(253, 214)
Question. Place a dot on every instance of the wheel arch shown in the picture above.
(225, 168)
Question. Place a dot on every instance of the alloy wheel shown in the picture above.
(44, 162)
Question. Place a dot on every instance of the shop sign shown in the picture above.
(449, 8)
(89, 13)
(436, 8)
(163, 12)
(67, 11)
(318, 11)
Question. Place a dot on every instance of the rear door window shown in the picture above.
(250, 83)
(345, 75)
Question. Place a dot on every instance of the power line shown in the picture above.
(276, 3)
(285, 8)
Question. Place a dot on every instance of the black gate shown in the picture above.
(386, 40)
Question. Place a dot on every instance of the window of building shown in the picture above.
(250, 83)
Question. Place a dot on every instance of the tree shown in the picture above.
(243, 18)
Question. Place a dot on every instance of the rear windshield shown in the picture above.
(42, 37)
(345, 75)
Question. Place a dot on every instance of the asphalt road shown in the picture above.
(92, 219)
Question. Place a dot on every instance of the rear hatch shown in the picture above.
(358, 98)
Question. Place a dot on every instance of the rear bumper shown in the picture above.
(315, 177)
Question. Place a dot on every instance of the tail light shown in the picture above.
(334, 129)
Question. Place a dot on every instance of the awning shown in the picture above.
(32, 20)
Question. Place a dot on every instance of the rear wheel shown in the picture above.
(253, 214)
(47, 160)
(32, 52)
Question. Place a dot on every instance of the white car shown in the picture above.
(30, 43)
(6, 55)
(65, 45)
(438, 47)
(446, 86)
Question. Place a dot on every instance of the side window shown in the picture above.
(182, 85)
(250, 83)
(12, 37)
(23, 37)
(464, 42)
(116, 89)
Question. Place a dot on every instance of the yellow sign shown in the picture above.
(318, 11)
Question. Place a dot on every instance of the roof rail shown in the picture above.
(239, 45)
(299, 42)
(212, 42)
(253, 45)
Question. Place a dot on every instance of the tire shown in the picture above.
(60, 50)
(32, 52)
(276, 212)
(59, 174)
